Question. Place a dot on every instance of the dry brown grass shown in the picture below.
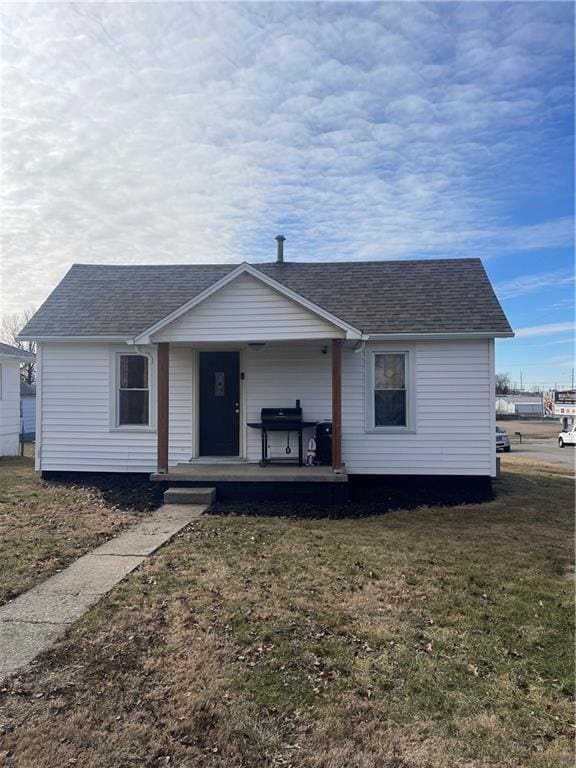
(437, 638)
(530, 428)
(46, 525)
(514, 461)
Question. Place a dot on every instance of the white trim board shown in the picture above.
(38, 436)
(419, 336)
(104, 337)
(25, 357)
(447, 336)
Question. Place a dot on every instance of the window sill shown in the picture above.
(390, 430)
(133, 428)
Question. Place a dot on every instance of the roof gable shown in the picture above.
(270, 292)
(246, 308)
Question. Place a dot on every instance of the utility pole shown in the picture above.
(521, 390)
(572, 379)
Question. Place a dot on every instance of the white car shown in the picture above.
(567, 436)
(502, 440)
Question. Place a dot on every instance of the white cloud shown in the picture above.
(182, 132)
(563, 360)
(543, 330)
(525, 284)
(569, 340)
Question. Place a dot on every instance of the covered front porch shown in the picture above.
(247, 344)
(267, 374)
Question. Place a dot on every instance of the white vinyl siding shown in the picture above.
(277, 376)
(76, 418)
(492, 377)
(247, 310)
(453, 429)
(28, 412)
(10, 408)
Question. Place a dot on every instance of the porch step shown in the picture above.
(189, 496)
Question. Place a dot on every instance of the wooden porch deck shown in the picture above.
(244, 472)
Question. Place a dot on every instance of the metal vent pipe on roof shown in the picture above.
(280, 249)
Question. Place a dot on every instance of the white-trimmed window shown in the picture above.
(133, 390)
(389, 391)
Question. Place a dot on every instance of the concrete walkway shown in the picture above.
(32, 621)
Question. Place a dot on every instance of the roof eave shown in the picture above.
(20, 358)
(440, 335)
(118, 339)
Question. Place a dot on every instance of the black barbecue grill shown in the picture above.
(281, 420)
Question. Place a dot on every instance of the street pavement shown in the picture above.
(545, 450)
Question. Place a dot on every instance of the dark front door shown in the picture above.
(219, 403)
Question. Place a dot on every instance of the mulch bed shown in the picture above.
(128, 492)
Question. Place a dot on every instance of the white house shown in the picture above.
(10, 359)
(157, 369)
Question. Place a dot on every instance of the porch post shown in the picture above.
(163, 405)
(336, 404)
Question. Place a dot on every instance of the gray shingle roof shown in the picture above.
(421, 296)
(6, 350)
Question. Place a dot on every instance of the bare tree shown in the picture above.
(502, 384)
(10, 327)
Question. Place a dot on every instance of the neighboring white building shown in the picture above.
(523, 405)
(145, 368)
(504, 407)
(10, 360)
(28, 410)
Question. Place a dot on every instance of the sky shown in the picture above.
(195, 132)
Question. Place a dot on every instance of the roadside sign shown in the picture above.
(564, 410)
(565, 396)
(565, 402)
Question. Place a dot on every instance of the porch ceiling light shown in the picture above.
(257, 345)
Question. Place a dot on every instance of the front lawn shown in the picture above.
(435, 638)
(44, 526)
